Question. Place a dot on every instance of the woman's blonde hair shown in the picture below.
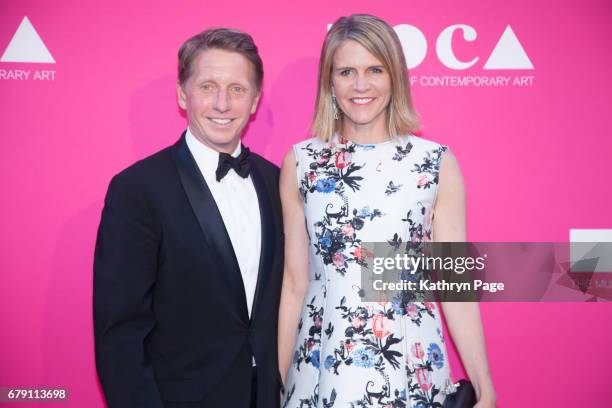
(380, 40)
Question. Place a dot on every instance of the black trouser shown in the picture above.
(254, 388)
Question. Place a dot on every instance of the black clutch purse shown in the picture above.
(463, 397)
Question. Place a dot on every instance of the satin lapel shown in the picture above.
(267, 236)
(210, 220)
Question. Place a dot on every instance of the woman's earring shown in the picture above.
(334, 106)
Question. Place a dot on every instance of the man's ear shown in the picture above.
(255, 102)
(180, 95)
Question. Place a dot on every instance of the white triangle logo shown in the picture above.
(26, 46)
(508, 53)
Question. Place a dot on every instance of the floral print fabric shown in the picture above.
(350, 353)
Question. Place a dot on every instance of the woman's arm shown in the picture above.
(295, 277)
(463, 318)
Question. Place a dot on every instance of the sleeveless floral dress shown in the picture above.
(350, 353)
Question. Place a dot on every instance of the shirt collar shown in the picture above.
(206, 157)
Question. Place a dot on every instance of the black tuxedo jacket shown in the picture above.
(170, 314)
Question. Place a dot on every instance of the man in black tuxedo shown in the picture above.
(188, 261)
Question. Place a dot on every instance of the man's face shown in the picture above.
(219, 97)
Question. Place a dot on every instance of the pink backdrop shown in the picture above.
(536, 158)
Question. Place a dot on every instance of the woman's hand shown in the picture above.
(485, 394)
(463, 318)
(295, 275)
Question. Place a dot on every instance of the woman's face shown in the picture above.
(362, 87)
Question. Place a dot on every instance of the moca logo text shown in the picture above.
(26, 46)
(508, 53)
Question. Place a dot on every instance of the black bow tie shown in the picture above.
(240, 164)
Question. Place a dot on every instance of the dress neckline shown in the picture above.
(345, 143)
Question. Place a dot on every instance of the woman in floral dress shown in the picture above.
(366, 177)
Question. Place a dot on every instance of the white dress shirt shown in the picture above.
(237, 201)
